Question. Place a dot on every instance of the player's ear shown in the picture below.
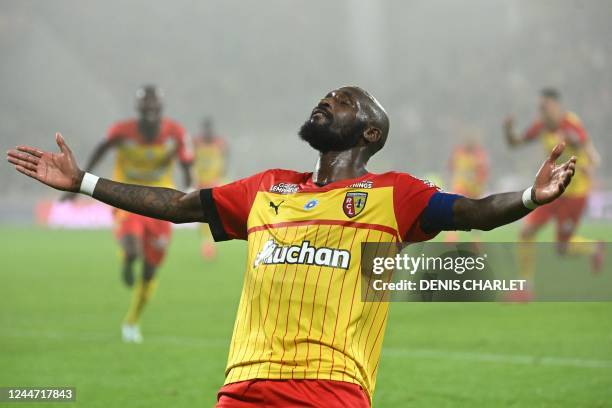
(372, 134)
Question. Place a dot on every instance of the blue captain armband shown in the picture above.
(438, 215)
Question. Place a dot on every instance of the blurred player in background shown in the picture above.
(210, 166)
(146, 149)
(469, 168)
(554, 125)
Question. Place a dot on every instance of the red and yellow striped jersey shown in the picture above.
(470, 169)
(301, 315)
(209, 163)
(571, 131)
(148, 162)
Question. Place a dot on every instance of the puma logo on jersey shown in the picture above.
(305, 254)
(276, 206)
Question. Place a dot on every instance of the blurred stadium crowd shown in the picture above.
(442, 68)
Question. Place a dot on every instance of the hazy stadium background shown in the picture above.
(258, 68)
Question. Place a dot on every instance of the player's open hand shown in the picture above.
(552, 179)
(57, 170)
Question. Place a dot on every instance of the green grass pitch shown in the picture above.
(61, 305)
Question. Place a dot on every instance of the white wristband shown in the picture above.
(527, 201)
(88, 184)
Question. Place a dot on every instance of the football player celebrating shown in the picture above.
(146, 149)
(303, 336)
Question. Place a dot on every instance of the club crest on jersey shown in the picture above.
(354, 203)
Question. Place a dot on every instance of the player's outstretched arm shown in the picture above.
(500, 209)
(60, 171)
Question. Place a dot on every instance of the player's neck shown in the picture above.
(148, 130)
(335, 166)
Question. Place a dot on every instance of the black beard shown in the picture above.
(320, 137)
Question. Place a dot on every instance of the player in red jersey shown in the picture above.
(302, 337)
(469, 167)
(146, 149)
(210, 152)
(556, 125)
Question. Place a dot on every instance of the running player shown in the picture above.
(210, 161)
(556, 125)
(469, 167)
(146, 149)
(303, 337)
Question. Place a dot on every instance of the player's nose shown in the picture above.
(325, 104)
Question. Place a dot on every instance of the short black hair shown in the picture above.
(551, 93)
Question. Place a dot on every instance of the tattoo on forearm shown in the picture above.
(155, 202)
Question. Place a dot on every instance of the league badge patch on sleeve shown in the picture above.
(354, 203)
